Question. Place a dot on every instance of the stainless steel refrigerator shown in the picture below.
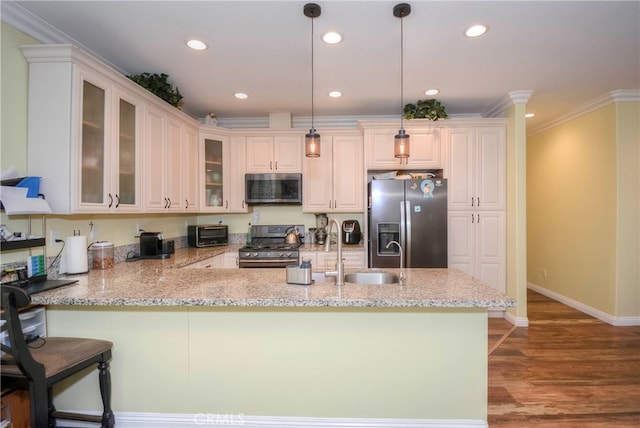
(412, 212)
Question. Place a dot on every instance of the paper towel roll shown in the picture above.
(75, 248)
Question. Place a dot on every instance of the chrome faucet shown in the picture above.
(402, 276)
(339, 272)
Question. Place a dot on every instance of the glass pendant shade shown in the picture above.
(312, 144)
(401, 145)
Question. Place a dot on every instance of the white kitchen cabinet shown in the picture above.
(274, 153)
(84, 134)
(476, 168)
(190, 170)
(235, 181)
(424, 151)
(221, 173)
(334, 182)
(230, 260)
(477, 245)
(351, 259)
(89, 131)
(163, 162)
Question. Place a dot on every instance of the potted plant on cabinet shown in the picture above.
(425, 109)
(159, 85)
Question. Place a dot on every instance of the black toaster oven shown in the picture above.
(208, 235)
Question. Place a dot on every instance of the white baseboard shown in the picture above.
(171, 420)
(516, 321)
(597, 313)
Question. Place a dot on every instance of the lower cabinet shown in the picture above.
(477, 245)
(227, 260)
(322, 261)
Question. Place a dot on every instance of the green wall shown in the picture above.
(575, 231)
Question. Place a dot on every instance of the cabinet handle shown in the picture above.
(473, 219)
(186, 204)
(110, 200)
(472, 201)
(243, 204)
(478, 218)
(226, 203)
(169, 199)
(271, 165)
(329, 203)
(478, 198)
(117, 200)
(166, 203)
(276, 165)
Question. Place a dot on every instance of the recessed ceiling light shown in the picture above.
(332, 38)
(241, 95)
(431, 92)
(335, 94)
(476, 31)
(197, 45)
(528, 115)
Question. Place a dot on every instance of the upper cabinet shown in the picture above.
(275, 153)
(221, 173)
(477, 167)
(87, 132)
(170, 160)
(334, 182)
(425, 149)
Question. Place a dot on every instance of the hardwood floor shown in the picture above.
(567, 369)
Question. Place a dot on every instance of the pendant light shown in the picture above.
(312, 139)
(401, 141)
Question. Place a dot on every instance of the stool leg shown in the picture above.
(39, 404)
(108, 421)
(50, 408)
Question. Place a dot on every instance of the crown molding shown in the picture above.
(616, 96)
(498, 108)
(45, 33)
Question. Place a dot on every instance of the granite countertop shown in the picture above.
(164, 283)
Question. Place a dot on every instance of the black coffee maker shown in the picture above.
(351, 234)
(153, 246)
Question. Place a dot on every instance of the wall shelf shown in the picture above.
(25, 243)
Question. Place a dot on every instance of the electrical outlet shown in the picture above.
(138, 229)
(55, 234)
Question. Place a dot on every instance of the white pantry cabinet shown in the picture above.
(476, 168)
(477, 245)
(334, 182)
(274, 153)
(84, 134)
(424, 149)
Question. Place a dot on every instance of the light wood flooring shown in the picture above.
(567, 369)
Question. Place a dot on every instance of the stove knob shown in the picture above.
(247, 254)
(288, 253)
(254, 254)
(281, 254)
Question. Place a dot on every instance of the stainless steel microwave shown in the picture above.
(273, 189)
(207, 236)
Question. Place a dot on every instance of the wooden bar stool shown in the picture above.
(38, 366)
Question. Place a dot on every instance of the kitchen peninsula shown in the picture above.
(243, 342)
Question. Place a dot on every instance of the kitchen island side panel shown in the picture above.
(317, 362)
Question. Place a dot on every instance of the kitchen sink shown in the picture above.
(374, 278)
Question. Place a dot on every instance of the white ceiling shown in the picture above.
(567, 52)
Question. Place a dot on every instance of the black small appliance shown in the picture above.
(351, 233)
(153, 246)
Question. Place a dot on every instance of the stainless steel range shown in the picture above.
(269, 247)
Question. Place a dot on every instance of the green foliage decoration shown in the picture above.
(425, 109)
(160, 86)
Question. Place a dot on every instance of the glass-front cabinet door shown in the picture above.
(109, 148)
(214, 156)
(93, 141)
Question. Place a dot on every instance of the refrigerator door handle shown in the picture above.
(407, 219)
(403, 229)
